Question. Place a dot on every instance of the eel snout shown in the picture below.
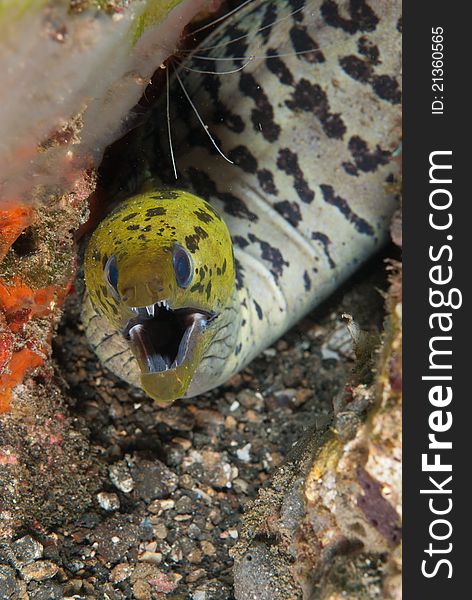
(162, 338)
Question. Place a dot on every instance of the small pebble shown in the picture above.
(39, 570)
(230, 422)
(121, 478)
(27, 549)
(167, 504)
(108, 501)
(184, 505)
(151, 557)
(176, 553)
(252, 416)
(232, 533)
(151, 546)
(248, 398)
(48, 590)
(160, 531)
(195, 575)
(8, 584)
(183, 442)
(194, 531)
(153, 479)
(207, 548)
(241, 486)
(165, 582)
(328, 354)
(115, 536)
(180, 518)
(212, 590)
(195, 556)
(244, 453)
(157, 507)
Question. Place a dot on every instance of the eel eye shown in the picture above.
(183, 267)
(111, 275)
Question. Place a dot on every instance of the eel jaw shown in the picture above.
(167, 345)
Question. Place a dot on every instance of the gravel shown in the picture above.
(176, 481)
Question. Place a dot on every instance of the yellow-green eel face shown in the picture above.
(160, 269)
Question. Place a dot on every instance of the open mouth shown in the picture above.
(163, 338)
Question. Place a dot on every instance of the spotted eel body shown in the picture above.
(311, 123)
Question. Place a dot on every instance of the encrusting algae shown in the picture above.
(36, 276)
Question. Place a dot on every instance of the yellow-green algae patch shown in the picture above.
(154, 13)
(14, 10)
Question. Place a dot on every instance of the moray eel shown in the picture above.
(187, 283)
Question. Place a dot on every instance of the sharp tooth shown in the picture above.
(135, 310)
(149, 310)
(159, 304)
